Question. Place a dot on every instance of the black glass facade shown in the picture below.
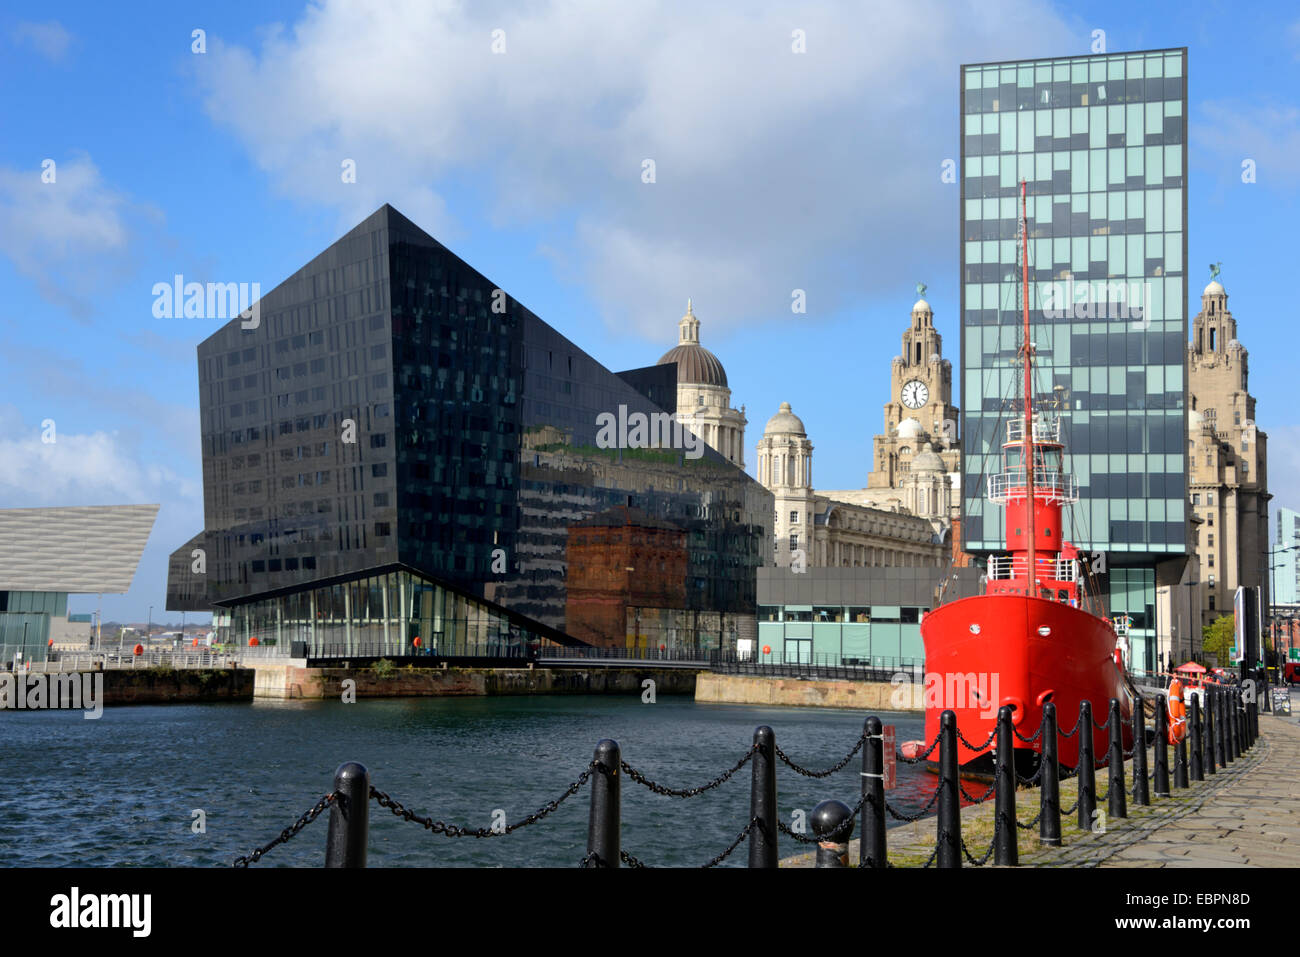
(395, 407)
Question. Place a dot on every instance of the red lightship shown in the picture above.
(1036, 635)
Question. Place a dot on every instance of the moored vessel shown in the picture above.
(1039, 633)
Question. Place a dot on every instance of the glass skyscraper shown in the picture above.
(402, 451)
(1101, 143)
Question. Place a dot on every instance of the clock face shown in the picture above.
(915, 394)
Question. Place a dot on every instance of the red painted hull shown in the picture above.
(1074, 662)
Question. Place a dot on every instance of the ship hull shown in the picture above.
(1008, 661)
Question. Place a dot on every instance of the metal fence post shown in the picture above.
(345, 844)
(1006, 845)
(1141, 796)
(832, 823)
(1117, 806)
(604, 839)
(1049, 820)
(1087, 768)
(1162, 748)
(1207, 733)
(762, 800)
(871, 845)
(1194, 720)
(949, 821)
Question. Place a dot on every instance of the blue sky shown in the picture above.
(774, 172)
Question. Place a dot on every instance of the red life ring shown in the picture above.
(1177, 713)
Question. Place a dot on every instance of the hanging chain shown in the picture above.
(289, 832)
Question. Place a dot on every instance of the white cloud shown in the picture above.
(775, 170)
(95, 468)
(1231, 131)
(71, 236)
(50, 39)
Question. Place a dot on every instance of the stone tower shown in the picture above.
(785, 469)
(1228, 467)
(920, 405)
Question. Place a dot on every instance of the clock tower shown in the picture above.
(920, 408)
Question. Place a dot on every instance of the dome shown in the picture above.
(1215, 288)
(696, 365)
(922, 306)
(927, 460)
(909, 428)
(784, 421)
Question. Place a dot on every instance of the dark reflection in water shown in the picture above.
(123, 790)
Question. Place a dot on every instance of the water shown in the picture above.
(121, 791)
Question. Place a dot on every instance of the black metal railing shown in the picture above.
(1218, 735)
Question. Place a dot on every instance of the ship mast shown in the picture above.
(1028, 447)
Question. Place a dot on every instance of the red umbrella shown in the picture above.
(1191, 668)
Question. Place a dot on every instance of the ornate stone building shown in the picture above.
(920, 408)
(819, 529)
(703, 398)
(905, 514)
(1228, 459)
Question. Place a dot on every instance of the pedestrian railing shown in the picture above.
(1217, 736)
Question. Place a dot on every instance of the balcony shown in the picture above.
(1010, 567)
(1049, 486)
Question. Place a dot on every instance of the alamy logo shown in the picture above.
(213, 300)
(658, 430)
(1098, 300)
(954, 690)
(75, 909)
(84, 691)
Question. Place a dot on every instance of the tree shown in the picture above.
(1219, 636)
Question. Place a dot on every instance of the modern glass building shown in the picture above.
(1101, 142)
(850, 616)
(1285, 560)
(399, 450)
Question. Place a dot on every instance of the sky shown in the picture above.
(134, 149)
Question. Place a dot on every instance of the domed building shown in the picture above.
(703, 397)
(819, 529)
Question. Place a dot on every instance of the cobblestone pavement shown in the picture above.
(1247, 815)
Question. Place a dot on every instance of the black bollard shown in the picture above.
(345, 846)
(832, 824)
(871, 845)
(949, 826)
(1180, 764)
(1234, 726)
(1086, 768)
(1194, 722)
(1141, 794)
(1162, 749)
(1006, 850)
(603, 837)
(1117, 805)
(1252, 711)
(1049, 819)
(1234, 748)
(1207, 735)
(762, 800)
(1224, 743)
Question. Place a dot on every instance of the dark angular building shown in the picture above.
(398, 449)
